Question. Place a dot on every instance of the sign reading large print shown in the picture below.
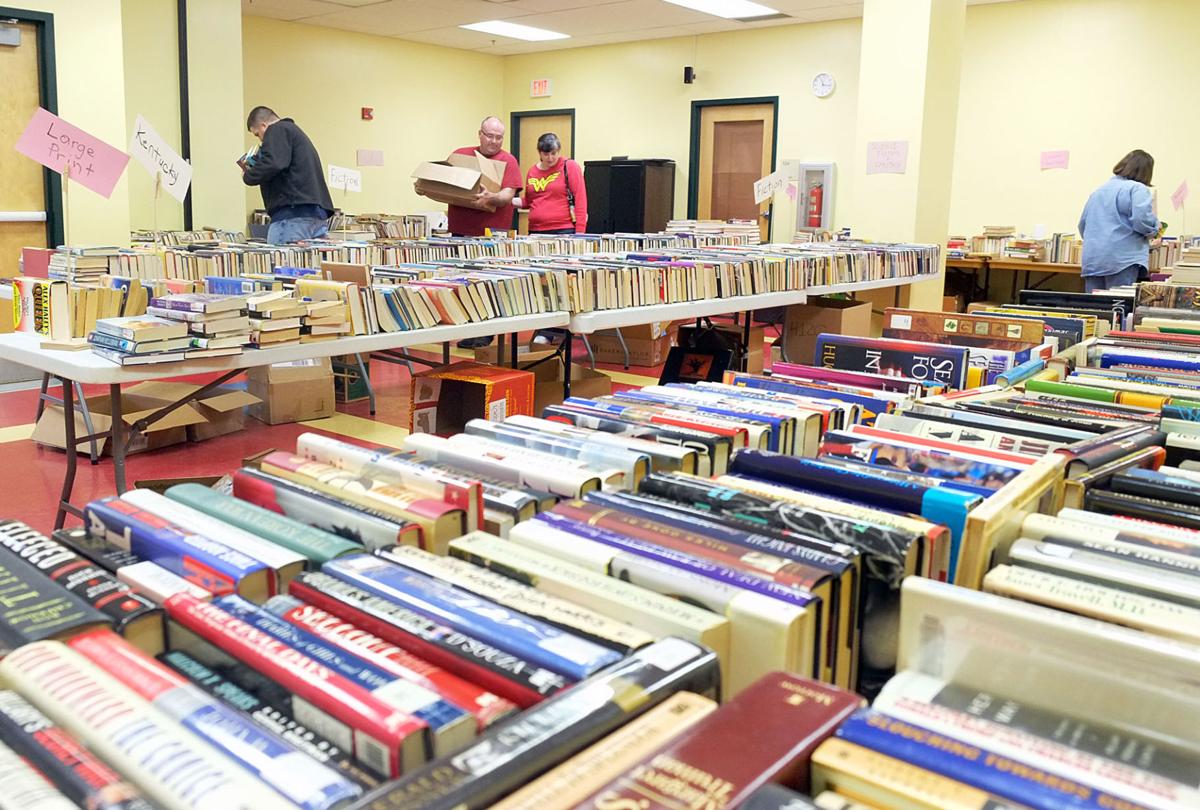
(70, 151)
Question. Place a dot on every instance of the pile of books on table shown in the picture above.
(140, 339)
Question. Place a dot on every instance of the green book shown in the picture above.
(1070, 390)
(316, 545)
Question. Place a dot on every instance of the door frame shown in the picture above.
(514, 127)
(48, 98)
(693, 202)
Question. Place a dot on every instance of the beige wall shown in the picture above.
(428, 101)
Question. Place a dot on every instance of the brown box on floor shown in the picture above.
(642, 351)
(223, 408)
(292, 392)
(442, 400)
(952, 303)
(729, 336)
(548, 390)
(170, 429)
(803, 322)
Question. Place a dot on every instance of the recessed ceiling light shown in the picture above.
(514, 31)
(729, 9)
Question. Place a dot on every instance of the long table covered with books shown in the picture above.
(84, 367)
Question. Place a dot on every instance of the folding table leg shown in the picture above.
(514, 350)
(587, 345)
(568, 352)
(69, 435)
(93, 454)
(624, 349)
(42, 397)
(118, 439)
(362, 369)
(445, 354)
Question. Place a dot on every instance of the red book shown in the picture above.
(765, 734)
(784, 572)
(486, 707)
(388, 742)
(466, 657)
(1012, 459)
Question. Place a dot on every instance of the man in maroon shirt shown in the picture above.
(495, 209)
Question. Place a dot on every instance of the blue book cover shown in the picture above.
(776, 422)
(405, 695)
(678, 559)
(213, 566)
(294, 272)
(1108, 359)
(1021, 782)
(234, 285)
(394, 306)
(539, 643)
(870, 405)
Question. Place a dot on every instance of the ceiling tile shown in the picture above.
(286, 9)
(628, 15)
(395, 17)
(845, 11)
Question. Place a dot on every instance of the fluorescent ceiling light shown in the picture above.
(729, 9)
(514, 31)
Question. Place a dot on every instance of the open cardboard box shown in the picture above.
(585, 383)
(223, 408)
(442, 400)
(459, 178)
(292, 392)
(170, 429)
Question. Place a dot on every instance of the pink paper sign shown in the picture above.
(790, 190)
(69, 150)
(1180, 195)
(370, 157)
(1055, 159)
(887, 157)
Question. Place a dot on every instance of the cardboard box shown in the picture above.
(458, 178)
(223, 408)
(526, 355)
(292, 392)
(171, 429)
(648, 331)
(348, 382)
(803, 322)
(584, 383)
(952, 303)
(642, 351)
(442, 400)
(727, 336)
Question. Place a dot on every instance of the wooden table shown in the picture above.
(1016, 266)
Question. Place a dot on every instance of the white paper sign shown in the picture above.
(345, 179)
(887, 157)
(769, 186)
(149, 149)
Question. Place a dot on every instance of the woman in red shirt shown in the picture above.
(554, 192)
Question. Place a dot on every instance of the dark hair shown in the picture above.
(549, 143)
(1137, 165)
(259, 115)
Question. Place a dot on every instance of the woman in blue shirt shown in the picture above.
(1117, 225)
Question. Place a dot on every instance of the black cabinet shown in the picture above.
(629, 196)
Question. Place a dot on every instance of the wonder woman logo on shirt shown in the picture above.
(542, 183)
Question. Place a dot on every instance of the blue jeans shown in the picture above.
(286, 231)
(1121, 278)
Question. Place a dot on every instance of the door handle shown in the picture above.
(22, 216)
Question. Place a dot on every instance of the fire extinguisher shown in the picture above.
(815, 198)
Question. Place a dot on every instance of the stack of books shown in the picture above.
(80, 265)
(275, 318)
(217, 324)
(993, 240)
(140, 339)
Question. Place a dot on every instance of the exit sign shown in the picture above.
(540, 88)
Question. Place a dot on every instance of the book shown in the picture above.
(566, 615)
(510, 755)
(385, 741)
(157, 583)
(486, 707)
(208, 303)
(213, 566)
(136, 618)
(663, 458)
(776, 797)
(33, 607)
(283, 563)
(1120, 503)
(127, 346)
(774, 726)
(477, 660)
(931, 362)
(275, 716)
(865, 774)
(270, 759)
(540, 643)
(25, 787)
(446, 726)
(315, 545)
(141, 328)
(438, 520)
(956, 324)
(41, 307)
(123, 359)
(136, 739)
(356, 524)
(574, 780)
(77, 773)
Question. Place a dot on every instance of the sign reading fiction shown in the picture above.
(345, 179)
(148, 148)
(769, 186)
(68, 150)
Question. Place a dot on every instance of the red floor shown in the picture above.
(31, 475)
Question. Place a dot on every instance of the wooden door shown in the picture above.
(22, 196)
(533, 127)
(736, 145)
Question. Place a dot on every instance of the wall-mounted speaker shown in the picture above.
(689, 75)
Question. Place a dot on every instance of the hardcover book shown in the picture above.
(25, 787)
(512, 754)
(957, 324)
(33, 607)
(932, 362)
(133, 616)
(774, 726)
